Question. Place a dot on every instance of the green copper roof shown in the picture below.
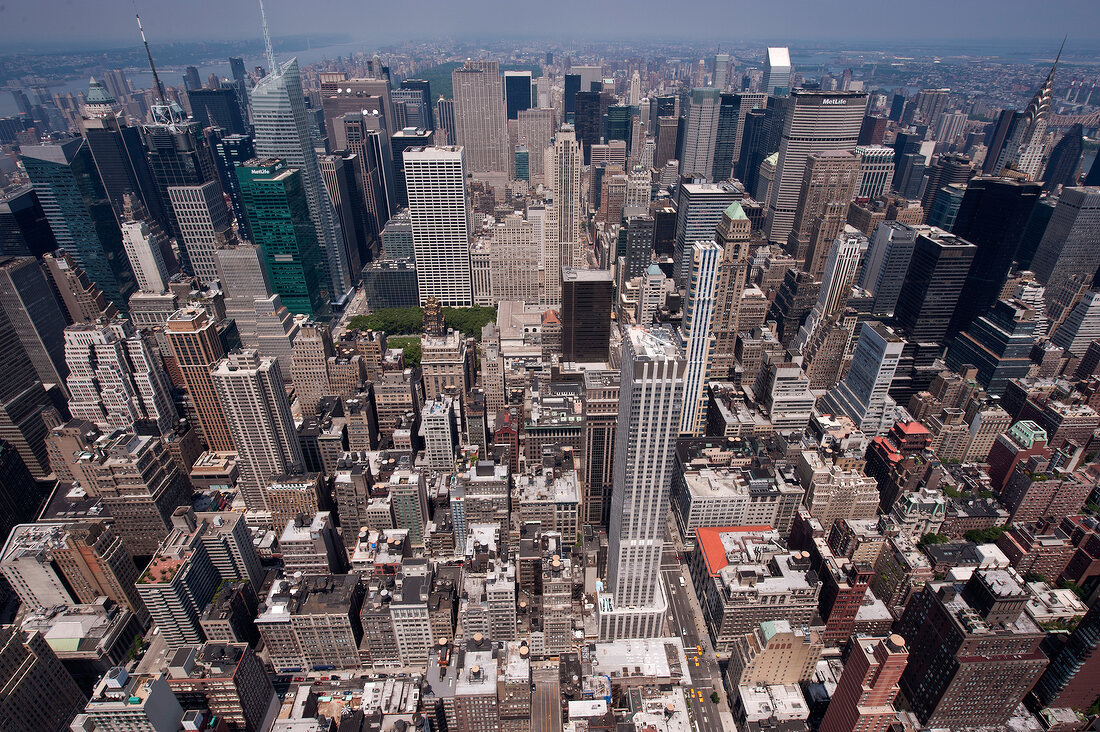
(735, 212)
(97, 93)
(653, 269)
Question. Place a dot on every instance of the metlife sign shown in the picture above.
(833, 101)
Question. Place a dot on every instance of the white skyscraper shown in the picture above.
(634, 97)
(514, 260)
(250, 389)
(697, 334)
(650, 401)
(700, 133)
(564, 237)
(144, 252)
(777, 71)
(204, 223)
(876, 170)
(281, 131)
(115, 378)
(863, 395)
(481, 122)
(840, 272)
(720, 80)
(435, 178)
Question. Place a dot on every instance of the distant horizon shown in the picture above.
(74, 27)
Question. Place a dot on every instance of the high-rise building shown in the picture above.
(1025, 142)
(310, 353)
(65, 178)
(281, 131)
(95, 563)
(697, 339)
(864, 697)
(143, 249)
(777, 72)
(815, 121)
(436, 181)
(480, 117)
(949, 169)
(828, 185)
(517, 92)
(586, 299)
(193, 340)
(257, 412)
(204, 224)
(228, 679)
(24, 228)
(39, 693)
(700, 133)
(699, 208)
(863, 394)
(28, 302)
(1065, 160)
(563, 235)
(1069, 680)
(116, 378)
(219, 107)
(229, 152)
(23, 402)
(732, 234)
(885, 264)
(1067, 252)
(277, 205)
(998, 344)
(425, 89)
(119, 152)
(973, 653)
(932, 286)
(992, 216)
(445, 121)
(652, 393)
(876, 170)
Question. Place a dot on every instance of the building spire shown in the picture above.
(156, 79)
(267, 42)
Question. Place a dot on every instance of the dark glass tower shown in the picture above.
(998, 344)
(726, 138)
(586, 296)
(217, 108)
(425, 89)
(1065, 160)
(569, 97)
(80, 215)
(229, 152)
(24, 228)
(992, 216)
(517, 92)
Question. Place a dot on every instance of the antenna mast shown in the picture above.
(156, 79)
(267, 42)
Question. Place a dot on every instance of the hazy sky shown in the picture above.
(105, 23)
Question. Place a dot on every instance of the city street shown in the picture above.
(685, 620)
(546, 701)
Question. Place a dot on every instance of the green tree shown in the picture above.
(410, 347)
(391, 321)
(929, 539)
(985, 536)
(714, 697)
(469, 321)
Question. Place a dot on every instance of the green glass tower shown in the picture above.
(277, 208)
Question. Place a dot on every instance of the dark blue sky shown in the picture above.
(107, 23)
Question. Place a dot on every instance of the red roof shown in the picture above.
(709, 540)
(912, 428)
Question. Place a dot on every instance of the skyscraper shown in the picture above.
(864, 697)
(204, 224)
(480, 119)
(1068, 247)
(29, 304)
(425, 88)
(1025, 142)
(251, 392)
(814, 122)
(885, 264)
(281, 131)
(217, 108)
(697, 338)
(876, 170)
(732, 234)
(699, 208)
(777, 71)
(998, 343)
(116, 378)
(828, 186)
(193, 339)
(586, 298)
(435, 178)
(143, 249)
(992, 216)
(564, 233)
(862, 395)
(1065, 160)
(700, 132)
(80, 214)
(229, 152)
(517, 91)
(39, 693)
(650, 402)
(932, 286)
(24, 228)
(277, 206)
